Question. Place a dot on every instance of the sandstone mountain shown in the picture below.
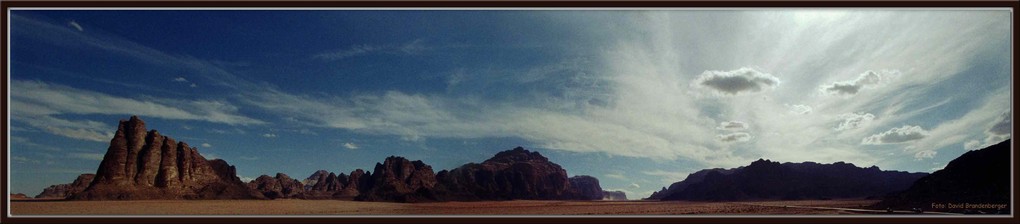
(281, 186)
(509, 175)
(401, 180)
(976, 177)
(614, 196)
(585, 187)
(64, 190)
(768, 180)
(141, 164)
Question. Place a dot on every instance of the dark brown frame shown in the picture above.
(5, 5)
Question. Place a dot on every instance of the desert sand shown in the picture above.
(338, 207)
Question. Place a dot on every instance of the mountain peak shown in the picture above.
(518, 154)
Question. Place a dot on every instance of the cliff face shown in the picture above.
(65, 190)
(768, 180)
(586, 188)
(976, 177)
(141, 164)
(398, 179)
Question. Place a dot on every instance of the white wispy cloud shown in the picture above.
(409, 48)
(41, 98)
(180, 79)
(615, 176)
(75, 25)
(269, 135)
(800, 109)
(206, 145)
(350, 145)
(667, 176)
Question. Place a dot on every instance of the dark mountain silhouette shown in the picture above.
(141, 164)
(768, 180)
(509, 175)
(976, 177)
(695, 177)
(64, 190)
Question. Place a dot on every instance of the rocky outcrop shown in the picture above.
(401, 180)
(614, 196)
(281, 186)
(18, 196)
(64, 190)
(980, 177)
(768, 180)
(314, 178)
(586, 188)
(142, 164)
(509, 175)
(359, 181)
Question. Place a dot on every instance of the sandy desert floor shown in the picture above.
(336, 207)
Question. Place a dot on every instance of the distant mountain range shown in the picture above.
(769, 180)
(141, 164)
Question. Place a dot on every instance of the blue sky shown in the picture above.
(638, 99)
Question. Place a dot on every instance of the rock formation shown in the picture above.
(511, 174)
(976, 177)
(18, 196)
(401, 180)
(141, 164)
(282, 186)
(768, 180)
(586, 188)
(614, 196)
(64, 190)
(314, 178)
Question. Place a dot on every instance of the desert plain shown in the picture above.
(516, 207)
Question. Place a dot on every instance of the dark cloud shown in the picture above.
(735, 137)
(737, 81)
(896, 135)
(732, 125)
(852, 87)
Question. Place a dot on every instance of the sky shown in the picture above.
(636, 98)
